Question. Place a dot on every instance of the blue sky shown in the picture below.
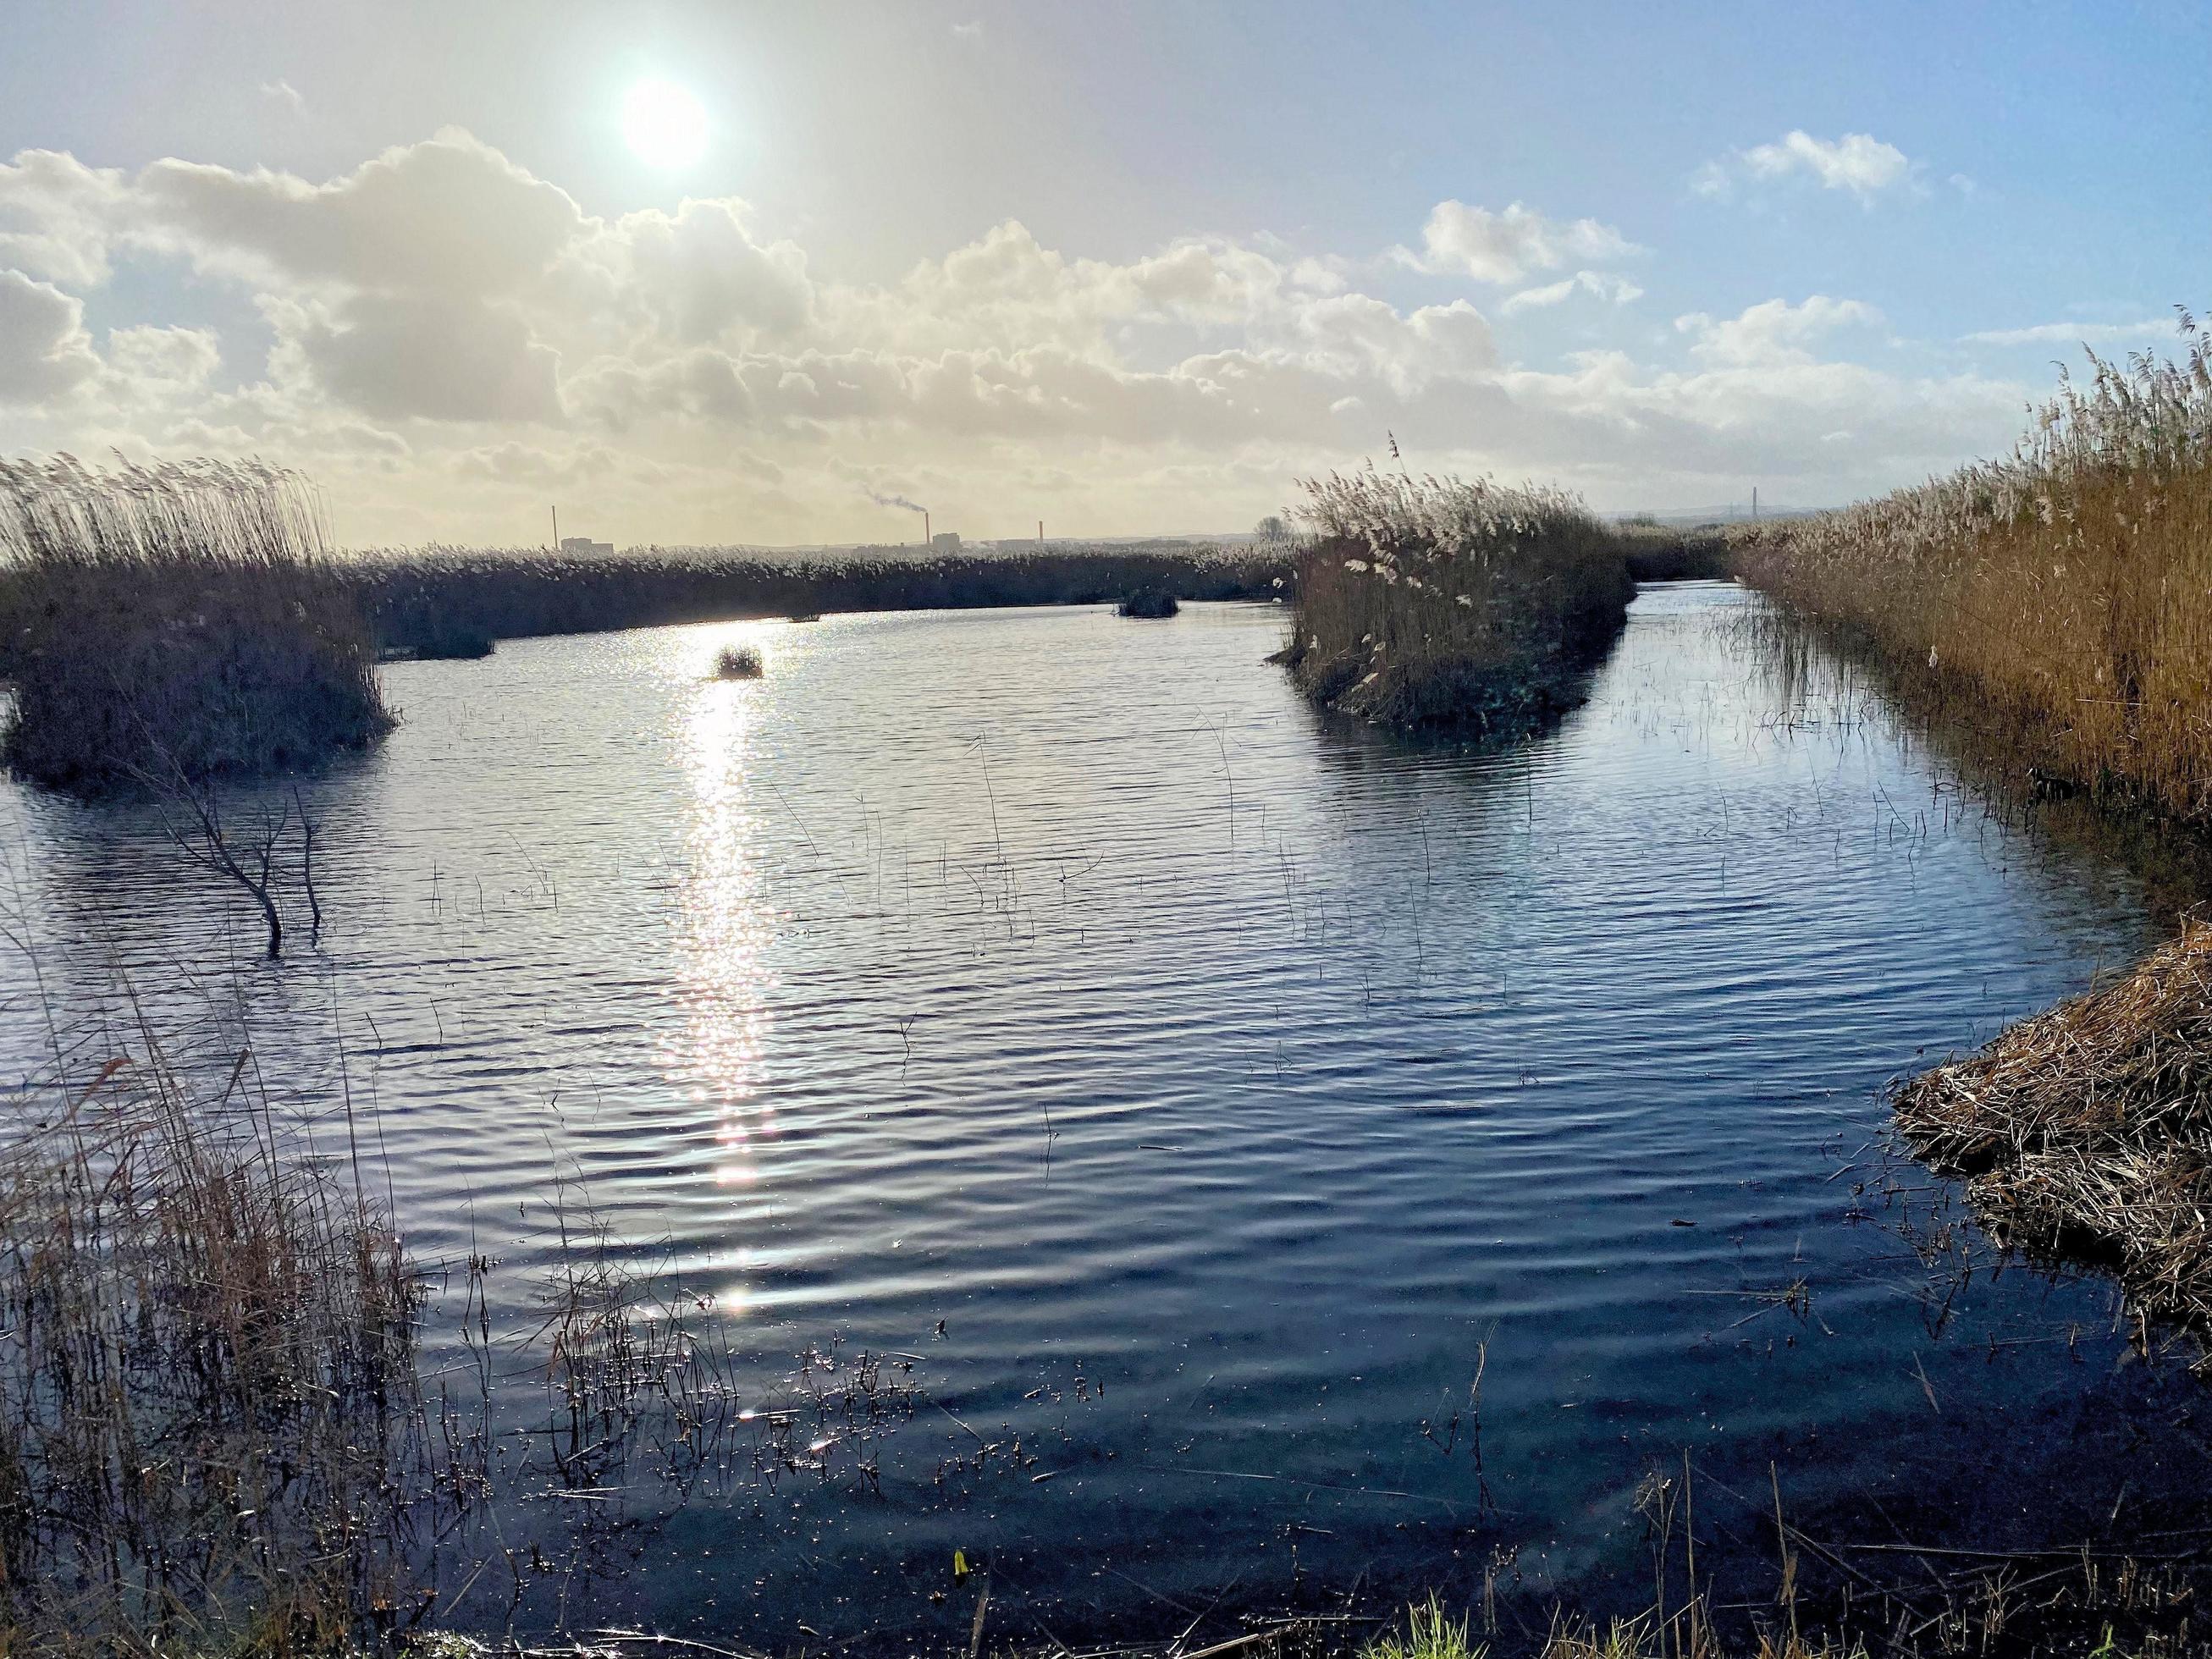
(1206, 249)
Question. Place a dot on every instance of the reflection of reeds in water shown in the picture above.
(2056, 603)
(174, 622)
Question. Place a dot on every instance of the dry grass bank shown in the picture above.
(1425, 602)
(177, 622)
(2089, 1128)
(2057, 602)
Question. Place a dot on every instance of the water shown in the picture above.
(1197, 1090)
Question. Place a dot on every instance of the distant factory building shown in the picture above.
(945, 541)
(584, 547)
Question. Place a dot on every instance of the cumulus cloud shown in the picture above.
(432, 356)
(1502, 248)
(450, 214)
(449, 341)
(1773, 333)
(44, 349)
(53, 217)
(1858, 162)
(147, 357)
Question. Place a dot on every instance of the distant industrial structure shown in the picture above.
(579, 546)
(945, 541)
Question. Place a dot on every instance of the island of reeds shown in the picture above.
(172, 624)
(1445, 603)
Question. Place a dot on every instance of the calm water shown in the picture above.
(1196, 1088)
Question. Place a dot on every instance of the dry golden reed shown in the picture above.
(2091, 1124)
(1444, 601)
(2059, 600)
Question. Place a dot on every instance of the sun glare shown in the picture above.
(665, 125)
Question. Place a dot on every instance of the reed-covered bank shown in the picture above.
(176, 624)
(2088, 1128)
(2049, 615)
(1440, 602)
(2055, 604)
(417, 600)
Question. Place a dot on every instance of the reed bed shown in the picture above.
(414, 599)
(2056, 603)
(2088, 1128)
(1445, 602)
(207, 1382)
(179, 621)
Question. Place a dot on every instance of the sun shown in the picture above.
(665, 125)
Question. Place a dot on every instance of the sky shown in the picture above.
(717, 273)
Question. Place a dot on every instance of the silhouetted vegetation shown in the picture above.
(413, 598)
(1150, 602)
(1439, 602)
(1660, 553)
(737, 662)
(174, 624)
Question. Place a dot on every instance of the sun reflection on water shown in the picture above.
(723, 928)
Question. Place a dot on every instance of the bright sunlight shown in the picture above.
(664, 125)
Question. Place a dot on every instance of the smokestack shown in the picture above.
(925, 527)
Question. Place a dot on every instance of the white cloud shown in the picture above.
(971, 30)
(1501, 247)
(2077, 334)
(44, 349)
(54, 210)
(1605, 285)
(451, 341)
(1774, 332)
(285, 93)
(1858, 162)
(450, 214)
(700, 272)
(147, 357)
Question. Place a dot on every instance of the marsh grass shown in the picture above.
(207, 1380)
(1443, 602)
(2056, 603)
(179, 619)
